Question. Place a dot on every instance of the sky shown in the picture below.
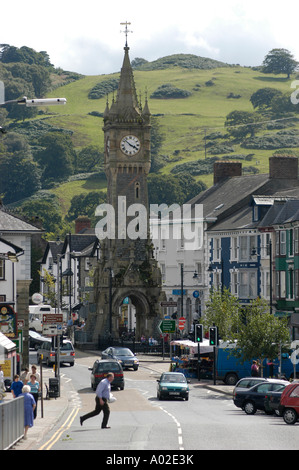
(87, 36)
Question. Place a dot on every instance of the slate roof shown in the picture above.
(230, 200)
(11, 223)
(79, 242)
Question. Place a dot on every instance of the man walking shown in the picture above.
(102, 397)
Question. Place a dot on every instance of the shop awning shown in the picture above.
(6, 346)
(186, 343)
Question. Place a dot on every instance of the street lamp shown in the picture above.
(195, 276)
(33, 103)
(110, 298)
(36, 101)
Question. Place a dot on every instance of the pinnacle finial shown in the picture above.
(126, 31)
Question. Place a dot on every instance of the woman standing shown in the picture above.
(34, 389)
(29, 407)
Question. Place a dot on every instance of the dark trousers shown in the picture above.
(97, 410)
(35, 396)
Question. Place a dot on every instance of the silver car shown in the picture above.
(46, 353)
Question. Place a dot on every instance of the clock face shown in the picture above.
(130, 145)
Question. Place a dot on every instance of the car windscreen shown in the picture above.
(66, 347)
(123, 352)
(108, 367)
(173, 378)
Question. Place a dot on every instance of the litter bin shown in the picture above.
(54, 389)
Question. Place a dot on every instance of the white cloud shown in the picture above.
(85, 36)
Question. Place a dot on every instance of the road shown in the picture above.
(139, 421)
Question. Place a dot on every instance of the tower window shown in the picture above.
(137, 190)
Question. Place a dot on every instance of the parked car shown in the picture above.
(248, 382)
(123, 355)
(35, 340)
(272, 401)
(289, 403)
(172, 385)
(100, 369)
(252, 399)
(46, 353)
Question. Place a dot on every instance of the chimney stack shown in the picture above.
(226, 169)
(81, 223)
(283, 167)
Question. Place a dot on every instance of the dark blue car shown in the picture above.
(253, 399)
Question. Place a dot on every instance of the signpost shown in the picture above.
(182, 321)
(169, 303)
(167, 326)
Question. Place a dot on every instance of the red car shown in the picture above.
(289, 403)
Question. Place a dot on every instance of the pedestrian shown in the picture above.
(102, 396)
(25, 377)
(34, 371)
(1, 376)
(16, 386)
(2, 386)
(254, 369)
(34, 389)
(29, 407)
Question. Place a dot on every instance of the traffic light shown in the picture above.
(198, 333)
(213, 335)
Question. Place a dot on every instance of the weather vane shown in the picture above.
(126, 31)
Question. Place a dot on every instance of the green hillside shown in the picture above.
(183, 121)
(192, 124)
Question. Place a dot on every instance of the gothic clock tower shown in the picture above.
(127, 268)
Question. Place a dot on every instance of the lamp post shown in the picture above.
(110, 298)
(195, 276)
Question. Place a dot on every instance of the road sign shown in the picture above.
(182, 321)
(50, 330)
(167, 326)
(168, 304)
(52, 318)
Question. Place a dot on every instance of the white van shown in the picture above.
(36, 316)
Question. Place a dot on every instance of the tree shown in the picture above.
(88, 158)
(261, 333)
(57, 156)
(44, 210)
(19, 177)
(241, 123)
(279, 61)
(85, 204)
(223, 310)
(262, 98)
(165, 190)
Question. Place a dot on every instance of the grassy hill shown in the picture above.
(213, 93)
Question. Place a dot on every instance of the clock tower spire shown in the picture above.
(128, 255)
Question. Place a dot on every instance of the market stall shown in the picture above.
(185, 358)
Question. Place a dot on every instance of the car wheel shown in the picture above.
(290, 416)
(249, 408)
(122, 387)
(231, 379)
(187, 398)
(135, 367)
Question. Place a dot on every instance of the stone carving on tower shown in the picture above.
(127, 267)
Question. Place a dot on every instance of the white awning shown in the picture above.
(6, 345)
(186, 343)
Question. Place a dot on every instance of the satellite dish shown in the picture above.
(37, 298)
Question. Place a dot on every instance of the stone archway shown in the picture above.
(144, 321)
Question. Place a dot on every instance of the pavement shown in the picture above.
(53, 409)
